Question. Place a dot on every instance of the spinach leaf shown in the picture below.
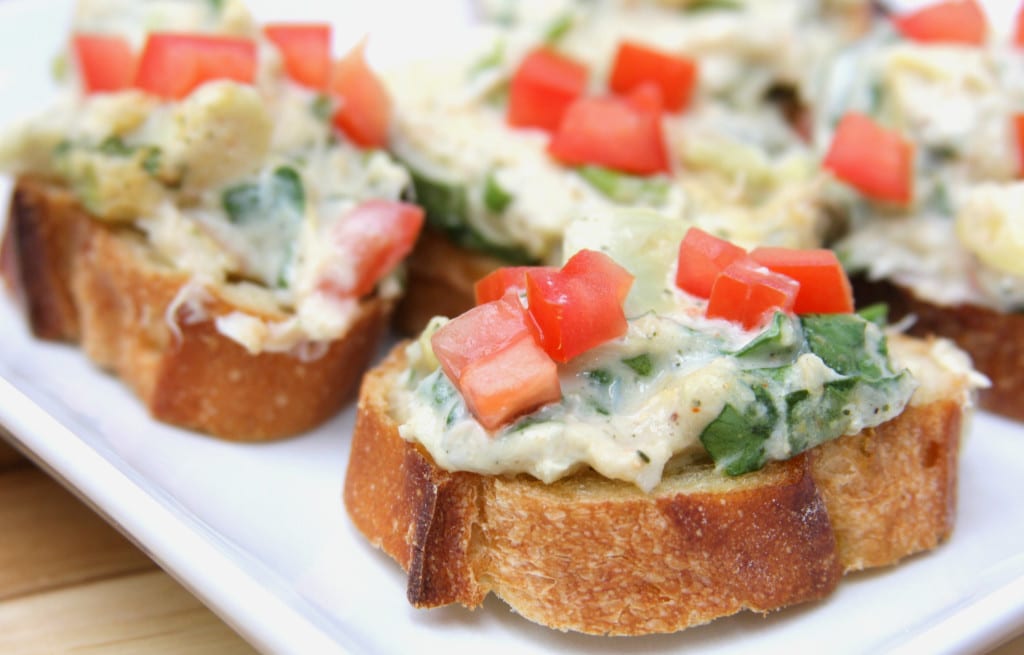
(281, 195)
(779, 342)
(625, 188)
(115, 147)
(322, 107)
(877, 313)
(558, 28)
(447, 209)
(712, 5)
(847, 344)
(641, 364)
(496, 198)
(736, 439)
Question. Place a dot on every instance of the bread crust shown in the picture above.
(599, 556)
(87, 282)
(439, 282)
(993, 339)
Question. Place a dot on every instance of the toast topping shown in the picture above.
(676, 387)
(227, 147)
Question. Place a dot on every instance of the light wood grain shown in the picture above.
(48, 539)
(141, 613)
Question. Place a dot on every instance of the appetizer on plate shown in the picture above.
(921, 131)
(208, 210)
(563, 107)
(642, 445)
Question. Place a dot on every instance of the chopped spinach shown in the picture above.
(624, 188)
(151, 160)
(115, 147)
(851, 346)
(779, 342)
(877, 313)
(558, 28)
(322, 107)
(600, 376)
(283, 194)
(496, 198)
(447, 209)
(736, 439)
(641, 364)
(712, 5)
(490, 59)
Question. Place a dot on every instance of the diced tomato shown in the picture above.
(173, 65)
(637, 64)
(601, 268)
(514, 381)
(490, 354)
(702, 257)
(824, 287)
(950, 21)
(1018, 32)
(371, 240)
(876, 161)
(495, 284)
(106, 63)
(479, 333)
(543, 87)
(578, 309)
(747, 293)
(365, 112)
(1018, 126)
(611, 132)
(305, 49)
(646, 97)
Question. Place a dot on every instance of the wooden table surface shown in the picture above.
(70, 583)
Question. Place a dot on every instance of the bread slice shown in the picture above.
(96, 284)
(599, 556)
(993, 339)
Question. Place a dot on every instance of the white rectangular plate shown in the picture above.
(259, 532)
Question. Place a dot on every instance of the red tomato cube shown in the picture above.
(747, 293)
(877, 162)
(612, 132)
(305, 49)
(105, 63)
(578, 309)
(173, 65)
(479, 333)
(543, 87)
(702, 257)
(495, 284)
(370, 241)
(824, 286)
(637, 64)
(513, 381)
(950, 21)
(490, 354)
(602, 269)
(365, 112)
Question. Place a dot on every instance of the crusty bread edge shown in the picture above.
(598, 556)
(83, 281)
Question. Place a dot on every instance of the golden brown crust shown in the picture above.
(87, 282)
(993, 339)
(599, 556)
(440, 278)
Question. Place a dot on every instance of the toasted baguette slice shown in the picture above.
(598, 556)
(993, 339)
(84, 281)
